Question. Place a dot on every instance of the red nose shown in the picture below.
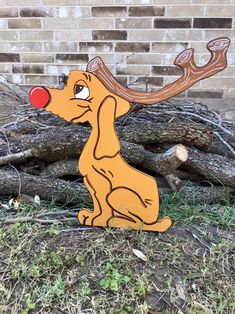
(39, 97)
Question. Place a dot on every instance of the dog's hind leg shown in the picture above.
(131, 211)
(124, 222)
(120, 222)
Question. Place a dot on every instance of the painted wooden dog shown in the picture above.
(122, 195)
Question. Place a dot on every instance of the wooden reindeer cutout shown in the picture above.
(122, 195)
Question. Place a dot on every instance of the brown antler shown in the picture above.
(191, 74)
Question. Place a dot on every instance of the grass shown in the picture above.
(189, 269)
(181, 210)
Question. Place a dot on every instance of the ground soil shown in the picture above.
(68, 269)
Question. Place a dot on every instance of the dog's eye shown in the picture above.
(81, 92)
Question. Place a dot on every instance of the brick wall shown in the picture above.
(137, 39)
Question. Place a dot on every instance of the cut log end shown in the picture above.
(181, 152)
(218, 44)
(94, 64)
(184, 57)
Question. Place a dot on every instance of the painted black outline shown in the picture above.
(81, 115)
(114, 210)
(123, 216)
(86, 76)
(94, 194)
(110, 183)
(98, 136)
(111, 173)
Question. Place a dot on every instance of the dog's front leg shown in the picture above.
(99, 187)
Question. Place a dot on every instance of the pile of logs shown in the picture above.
(186, 147)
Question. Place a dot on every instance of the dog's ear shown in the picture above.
(107, 144)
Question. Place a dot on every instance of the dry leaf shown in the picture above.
(11, 202)
(5, 206)
(140, 255)
(16, 205)
(181, 291)
(37, 199)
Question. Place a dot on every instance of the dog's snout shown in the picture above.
(39, 97)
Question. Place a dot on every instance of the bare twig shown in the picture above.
(77, 229)
(123, 60)
(210, 122)
(195, 236)
(225, 143)
(35, 219)
(17, 156)
(18, 175)
(55, 213)
(5, 126)
(65, 215)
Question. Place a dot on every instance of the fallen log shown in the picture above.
(167, 163)
(46, 148)
(14, 184)
(214, 167)
(218, 169)
(53, 144)
(68, 142)
(164, 164)
(206, 194)
(223, 142)
(184, 132)
(61, 169)
(189, 176)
